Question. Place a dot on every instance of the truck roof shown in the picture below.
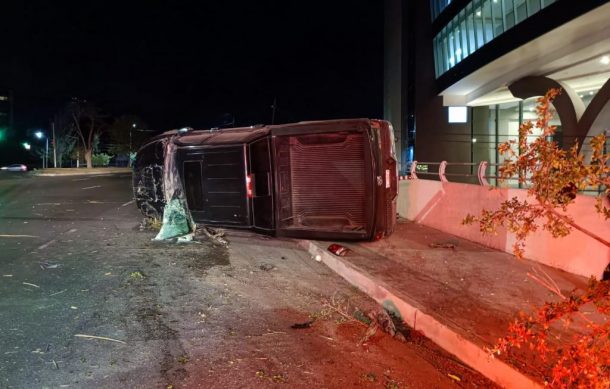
(234, 135)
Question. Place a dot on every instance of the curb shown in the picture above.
(471, 354)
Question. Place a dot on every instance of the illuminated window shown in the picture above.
(478, 23)
(458, 114)
(3, 98)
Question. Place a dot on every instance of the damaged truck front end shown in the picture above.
(321, 180)
(147, 179)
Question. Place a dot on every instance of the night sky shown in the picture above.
(182, 63)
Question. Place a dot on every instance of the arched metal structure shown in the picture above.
(568, 104)
(577, 122)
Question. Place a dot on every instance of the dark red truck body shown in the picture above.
(332, 179)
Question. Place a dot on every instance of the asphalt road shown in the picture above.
(88, 300)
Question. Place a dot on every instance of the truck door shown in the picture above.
(215, 185)
(261, 185)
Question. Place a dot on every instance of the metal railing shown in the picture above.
(442, 173)
(472, 173)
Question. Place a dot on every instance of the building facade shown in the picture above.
(462, 75)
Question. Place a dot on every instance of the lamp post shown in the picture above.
(54, 146)
(133, 127)
(40, 135)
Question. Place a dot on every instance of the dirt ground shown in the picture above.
(120, 310)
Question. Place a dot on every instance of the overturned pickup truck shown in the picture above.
(332, 179)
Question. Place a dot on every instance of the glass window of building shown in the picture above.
(521, 10)
(477, 24)
(451, 48)
(508, 124)
(497, 17)
(460, 51)
(509, 13)
(464, 35)
(487, 22)
(533, 6)
(471, 30)
(478, 20)
(446, 65)
(484, 131)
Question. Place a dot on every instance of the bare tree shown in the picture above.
(88, 122)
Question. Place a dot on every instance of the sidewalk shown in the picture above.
(52, 172)
(462, 298)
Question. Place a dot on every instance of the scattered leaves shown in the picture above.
(553, 176)
(371, 377)
(136, 275)
(183, 359)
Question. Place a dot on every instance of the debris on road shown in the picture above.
(44, 246)
(371, 377)
(443, 245)
(388, 323)
(136, 275)
(266, 267)
(177, 220)
(339, 250)
(150, 224)
(48, 265)
(128, 203)
(278, 378)
(300, 326)
(99, 338)
(215, 234)
(183, 359)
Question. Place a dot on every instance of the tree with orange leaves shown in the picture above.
(553, 177)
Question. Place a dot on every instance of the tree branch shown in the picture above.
(79, 131)
(571, 223)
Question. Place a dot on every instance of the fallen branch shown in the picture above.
(544, 279)
(215, 235)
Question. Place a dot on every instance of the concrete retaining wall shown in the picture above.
(444, 205)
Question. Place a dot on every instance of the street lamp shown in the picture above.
(40, 135)
(133, 127)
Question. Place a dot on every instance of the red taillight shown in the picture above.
(379, 235)
(249, 191)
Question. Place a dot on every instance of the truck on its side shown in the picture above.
(334, 179)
